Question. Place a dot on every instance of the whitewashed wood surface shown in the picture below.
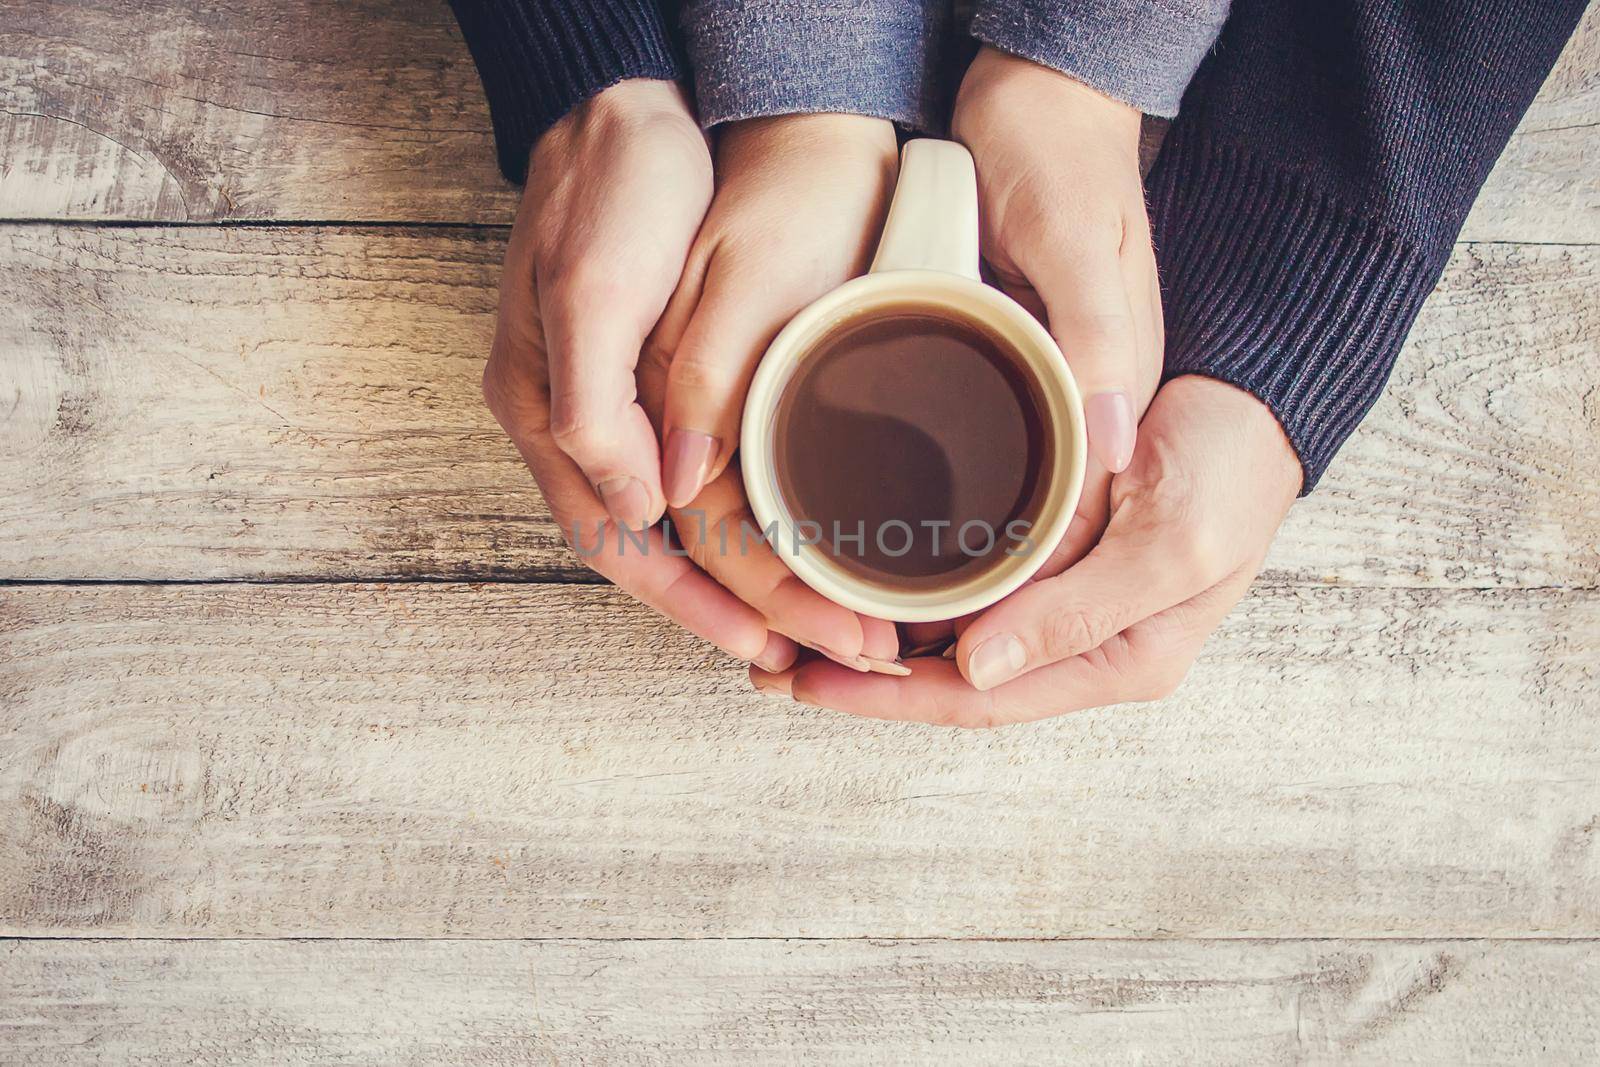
(282, 781)
(426, 759)
(474, 1003)
(368, 110)
(285, 403)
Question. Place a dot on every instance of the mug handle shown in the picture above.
(933, 218)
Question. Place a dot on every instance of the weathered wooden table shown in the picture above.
(316, 745)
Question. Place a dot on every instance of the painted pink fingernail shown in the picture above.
(855, 663)
(995, 661)
(1109, 419)
(627, 501)
(779, 655)
(892, 667)
(690, 455)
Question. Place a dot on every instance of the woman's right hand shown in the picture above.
(799, 203)
(616, 193)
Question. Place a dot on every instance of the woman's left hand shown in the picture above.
(1191, 520)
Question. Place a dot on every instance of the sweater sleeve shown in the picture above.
(1305, 202)
(541, 58)
(1142, 52)
(754, 58)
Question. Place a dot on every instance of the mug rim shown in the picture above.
(987, 307)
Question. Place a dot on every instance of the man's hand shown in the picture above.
(616, 191)
(1191, 520)
(615, 195)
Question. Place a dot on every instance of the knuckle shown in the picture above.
(655, 358)
(495, 386)
(573, 535)
(1072, 630)
(574, 429)
(693, 372)
(1197, 547)
(509, 388)
(589, 281)
(1168, 501)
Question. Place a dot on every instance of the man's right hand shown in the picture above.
(616, 193)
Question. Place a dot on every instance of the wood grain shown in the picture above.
(160, 109)
(1393, 737)
(740, 1002)
(508, 760)
(370, 110)
(190, 403)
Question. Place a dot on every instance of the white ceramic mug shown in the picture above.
(928, 256)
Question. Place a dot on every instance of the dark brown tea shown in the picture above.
(915, 444)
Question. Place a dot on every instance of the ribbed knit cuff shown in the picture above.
(1269, 286)
(754, 58)
(1142, 52)
(540, 59)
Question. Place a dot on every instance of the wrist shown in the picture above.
(822, 129)
(637, 100)
(849, 140)
(1265, 452)
(1000, 80)
(629, 105)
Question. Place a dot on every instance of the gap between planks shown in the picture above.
(358, 225)
(1223, 939)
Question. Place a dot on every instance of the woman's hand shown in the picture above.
(1065, 234)
(799, 204)
(615, 195)
(1191, 520)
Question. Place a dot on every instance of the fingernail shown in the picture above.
(690, 455)
(771, 691)
(1109, 420)
(995, 661)
(855, 663)
(949, 653)
(627, 501)
(887, 666)
(778, 656)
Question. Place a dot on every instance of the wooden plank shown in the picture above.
(162, 109)
(429, 759)
(371, 110)
(740, 1002)
(262, 403)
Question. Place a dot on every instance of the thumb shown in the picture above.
(736, 317)
(1138, 569)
